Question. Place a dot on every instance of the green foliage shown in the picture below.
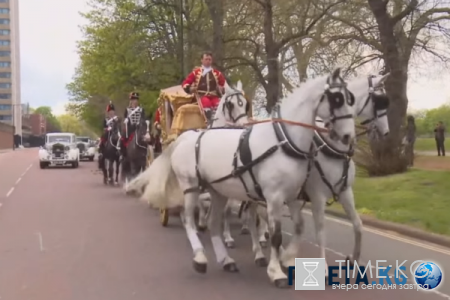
(426, 120)
(46, 111)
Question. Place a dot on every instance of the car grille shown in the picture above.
(58, 150)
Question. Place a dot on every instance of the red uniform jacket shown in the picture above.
(194, 78)
(157, 116)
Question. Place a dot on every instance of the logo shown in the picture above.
(310, 274)
(428, 275)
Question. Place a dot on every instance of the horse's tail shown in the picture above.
(138, 184)
(163, 190)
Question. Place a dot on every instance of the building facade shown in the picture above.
(10, 100)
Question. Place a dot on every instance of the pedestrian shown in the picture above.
(439, 136)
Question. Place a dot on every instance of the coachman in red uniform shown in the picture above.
(208, 83)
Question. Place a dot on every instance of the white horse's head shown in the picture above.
(371, 101)
(336, 108)
(233, 107)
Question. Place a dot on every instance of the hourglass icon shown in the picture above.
(310, 280)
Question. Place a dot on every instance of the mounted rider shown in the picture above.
(134, 113)
(107, 125)
(208, 83)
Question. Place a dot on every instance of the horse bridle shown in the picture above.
(336, 100)
(370, 97)
(230, 106)
(114, 127)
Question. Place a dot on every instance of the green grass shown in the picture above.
(429, 144)
(418, 198)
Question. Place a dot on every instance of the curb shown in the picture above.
(398, 228)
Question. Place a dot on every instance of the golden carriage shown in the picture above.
(179, 112)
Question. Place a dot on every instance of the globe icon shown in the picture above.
(433, 275)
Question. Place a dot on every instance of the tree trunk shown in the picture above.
(216, 10)
(273, 88)
(387, 153)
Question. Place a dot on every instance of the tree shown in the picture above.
(69, 123)
(46, 111)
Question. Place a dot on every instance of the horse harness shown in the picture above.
(346, 156)
(243, 151)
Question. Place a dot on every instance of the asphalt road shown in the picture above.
(65, 236)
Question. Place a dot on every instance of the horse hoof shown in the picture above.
(229, 244)
(202, 228)
(266, 235)
(200, 268)
(263, 244)
(261, 262)
(245, 231)
(231, 267)
(281, 283)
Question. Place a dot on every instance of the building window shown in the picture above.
(4, 21)
(5, 53)
(5, 64)
(5, 31)
(5, 96)
(5, 42)
(6, 118)
(4, 11)
(5, 74)
(5, 85)
(5, 106)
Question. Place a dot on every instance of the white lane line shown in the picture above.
(41, 244)
(390, 236)
(18, 180)
(10, 192)
(25, 172)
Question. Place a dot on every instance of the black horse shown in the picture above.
(111, 155)
(137, 149)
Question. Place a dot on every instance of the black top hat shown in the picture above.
(134, 95)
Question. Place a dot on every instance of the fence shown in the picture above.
(6, 136)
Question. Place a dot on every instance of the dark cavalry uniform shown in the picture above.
(107, 123)
(134, 117)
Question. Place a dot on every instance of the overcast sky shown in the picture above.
(49, 30)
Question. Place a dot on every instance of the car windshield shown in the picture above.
(58, 138)
(84, 140)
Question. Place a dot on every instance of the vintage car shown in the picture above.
(86, 147)
(60, 150)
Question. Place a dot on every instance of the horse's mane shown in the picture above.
(301, 93)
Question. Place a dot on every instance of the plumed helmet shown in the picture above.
(110, 107)
(134, 95)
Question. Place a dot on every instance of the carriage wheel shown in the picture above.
(164, 216)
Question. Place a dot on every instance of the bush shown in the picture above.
(380, 157)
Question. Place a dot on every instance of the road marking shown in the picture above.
(1, 204)
(387, 235)
(25, 172)
(10, 192)
(18, 180)
(41, 244)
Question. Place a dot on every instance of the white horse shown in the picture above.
(231, 111)
(273, 157)
(333, 173)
